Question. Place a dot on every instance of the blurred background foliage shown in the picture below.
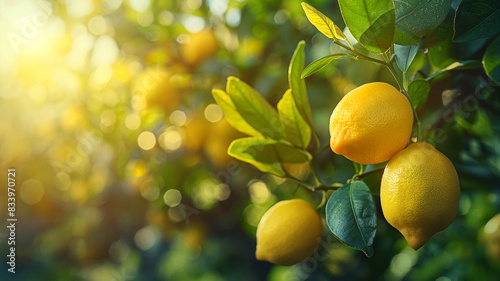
(120, 150)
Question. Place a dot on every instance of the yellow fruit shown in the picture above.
(297, 170)
(220, 137)
(371, 123)
(419, 193)
(288, 232)
(200, 46)
(158, 88)
(492, 234)
(196, 131)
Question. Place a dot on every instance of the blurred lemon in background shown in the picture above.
(159, 87)
(297, 170)
(491, 232)
(218, 141)
(199, 46)
(196, 130)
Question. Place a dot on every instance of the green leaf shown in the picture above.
(351, 216)
(243, 149)
(405, 55)
(475, 19)
(232, 115)
(298, 85)
(324, 24)
(417, 18)
(254, 109)
(419, 90)
(456, 65)
(297, 131)
(370, 22)
(491, 61)
(442, 33)
(266, 154)
(318, 64)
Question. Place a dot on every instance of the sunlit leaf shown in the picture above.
(370, 22)
(266, 154)
(351, 216)
(298, 85)
(297, 131)
(254, 109)
(491, 61)
(456, 65)
(232, 115)
(417, 18)
(475, 19)
(318, 64)
(324, 24)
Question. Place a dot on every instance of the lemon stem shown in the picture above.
(360, 176)
(323, 200)
(358, 168)
(311, 187)
(315, 175)
(419, 128)
(392, 70)
(321, 149)
(387, 63)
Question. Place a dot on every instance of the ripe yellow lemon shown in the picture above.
(419, 193)
(371, 123)
(200, 46)
(288, 232)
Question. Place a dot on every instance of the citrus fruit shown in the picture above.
(199, 46)
(371, 123)
(158, 87)
(491, 232)
(288, 232)
(220, 137)
(419, 193)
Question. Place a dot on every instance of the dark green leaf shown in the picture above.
(323, 23)
(298, 85)
(254, 109)
(456, 65)
(320, 63)
(442, 33)
(491, 61)
(351, 216)
(232, 115)
(370, 22)
(475, 19)
(419, 90)
(266, 154)
(297, 131)
(405, 55)
(417, 18)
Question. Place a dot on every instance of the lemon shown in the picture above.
(199, 46)
(288, 232)
(157, 87)
(419, 193)
(220, 137)
(371, 123)
(491, 232)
